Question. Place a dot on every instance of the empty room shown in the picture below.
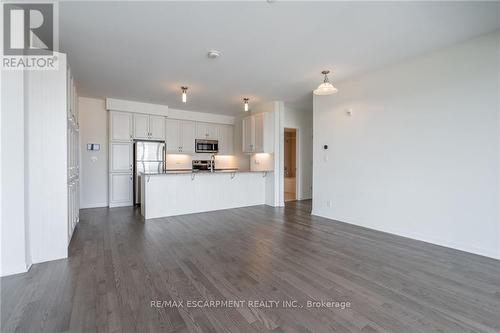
(250, 166)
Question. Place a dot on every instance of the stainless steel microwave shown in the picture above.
(206, 146)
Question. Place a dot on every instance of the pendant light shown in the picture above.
(184, 94)
(245, 100)
(326, 88)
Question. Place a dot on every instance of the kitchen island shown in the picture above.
(183, 192)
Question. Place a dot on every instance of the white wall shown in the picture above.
(93, 164)
(302, 120)
(13, 226)
(419, 157)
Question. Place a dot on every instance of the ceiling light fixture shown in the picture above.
(245, 100)
(326, 88)
(213, 54)
(184, 94)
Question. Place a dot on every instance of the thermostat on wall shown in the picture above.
(93, 146)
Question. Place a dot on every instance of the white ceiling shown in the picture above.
(145, 51)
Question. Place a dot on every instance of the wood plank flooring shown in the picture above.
(118, 265)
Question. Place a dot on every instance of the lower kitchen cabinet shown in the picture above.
(120, 189)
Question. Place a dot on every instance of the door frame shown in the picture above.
(298, 164)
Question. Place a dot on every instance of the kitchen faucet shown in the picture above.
(212, 163)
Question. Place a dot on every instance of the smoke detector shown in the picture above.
(214, 54)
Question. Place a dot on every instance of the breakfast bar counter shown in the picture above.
(183, 192)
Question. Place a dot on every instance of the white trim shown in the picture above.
(136, 107)
(94, 205)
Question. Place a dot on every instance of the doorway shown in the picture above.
(290, 164)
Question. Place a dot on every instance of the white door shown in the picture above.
(141, 126)
(157, 127)
(225, 139)
(188, 135)
(172, 129)
(248, 135)
(120, 189)
(259, 133)
(120, 157)
(120, 126)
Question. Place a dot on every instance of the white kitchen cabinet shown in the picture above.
(157, 127)
(172, 135)
(120, 157)
(120, 126)
(207, 131)
(226, 139)
(120, 189)
(258, 133)
(248, 138)
(180, 136)
(141, 126)
(187, 136)
(149, 127)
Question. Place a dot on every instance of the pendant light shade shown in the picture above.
(184, 94)
(245, 100)
(326, 88)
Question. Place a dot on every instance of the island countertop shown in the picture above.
(186, 192)
(180, 172)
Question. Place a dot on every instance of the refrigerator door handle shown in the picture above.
(164, 158)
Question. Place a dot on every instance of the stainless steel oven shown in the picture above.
(206, 146)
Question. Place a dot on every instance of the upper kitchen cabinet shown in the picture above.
(149, 127)
(188, 135)
(207, 131)
(120, 126)
(258, 133)
(226, 138)
(157, 127)
(180, 136)
(248, 133)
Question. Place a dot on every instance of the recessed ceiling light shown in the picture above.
(213, 54)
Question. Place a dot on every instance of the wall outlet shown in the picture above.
(329, 203)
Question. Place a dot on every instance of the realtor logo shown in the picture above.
(28, 36)
(28, 29)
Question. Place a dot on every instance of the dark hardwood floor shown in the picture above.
(118, 265)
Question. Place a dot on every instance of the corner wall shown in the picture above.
(419, 156)
(93, 164)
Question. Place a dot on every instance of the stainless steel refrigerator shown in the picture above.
(149, 158)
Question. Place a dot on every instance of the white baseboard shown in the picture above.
(94, 205)
(426, 238)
